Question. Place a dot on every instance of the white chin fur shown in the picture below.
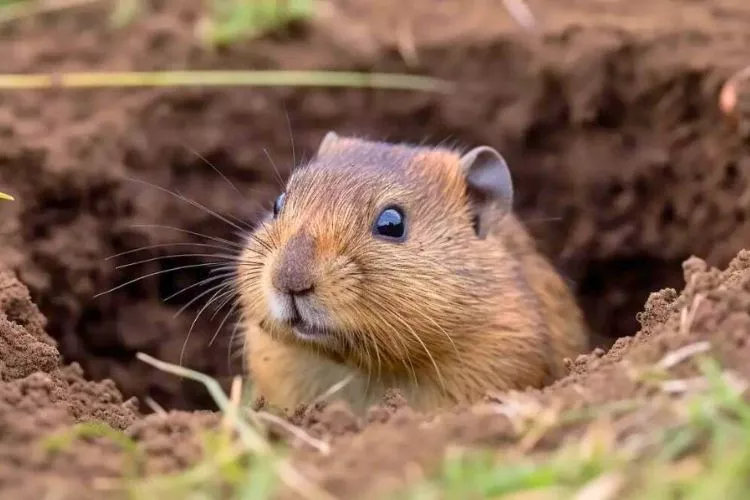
(282, 310)
(280, 307)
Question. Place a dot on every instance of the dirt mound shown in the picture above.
(714, 308)
(623, 163)
(39, 398)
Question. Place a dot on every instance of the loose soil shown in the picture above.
(608, 116)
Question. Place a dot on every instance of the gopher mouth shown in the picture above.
(306, 322)
(305, 331)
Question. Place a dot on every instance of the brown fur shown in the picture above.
(443, 316)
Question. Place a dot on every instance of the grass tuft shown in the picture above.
(225, 21)
(63, 440)
(226, 471)
(237, 462)
(228, 20)
(231, 20)
(704, 453)
(248, 468)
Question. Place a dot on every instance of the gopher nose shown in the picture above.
(294, 269)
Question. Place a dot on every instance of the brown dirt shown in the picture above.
(610, 117)
(40, 399)
(718, 302)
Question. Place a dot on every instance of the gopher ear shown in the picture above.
(490, 187)
(327, 143)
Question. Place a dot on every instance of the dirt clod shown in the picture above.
(39, 397)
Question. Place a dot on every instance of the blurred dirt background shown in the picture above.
(607, 113)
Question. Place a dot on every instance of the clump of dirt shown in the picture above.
(40, 401)
(39, 396)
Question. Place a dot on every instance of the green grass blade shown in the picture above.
(13, 10)
(253, 440)
(269, 78)
(63, 440)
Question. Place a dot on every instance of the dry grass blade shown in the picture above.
(681, 386)
(4, 196)
(155, 407)
(250, 438)
(728, 97)
(521, 13)
(605, 487)
(687, 315)
(674, 358)
(270, 78)
(235, 393)
(319, 445)
(333, 390)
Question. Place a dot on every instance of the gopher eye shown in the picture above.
(390, 224)
(278, 204)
